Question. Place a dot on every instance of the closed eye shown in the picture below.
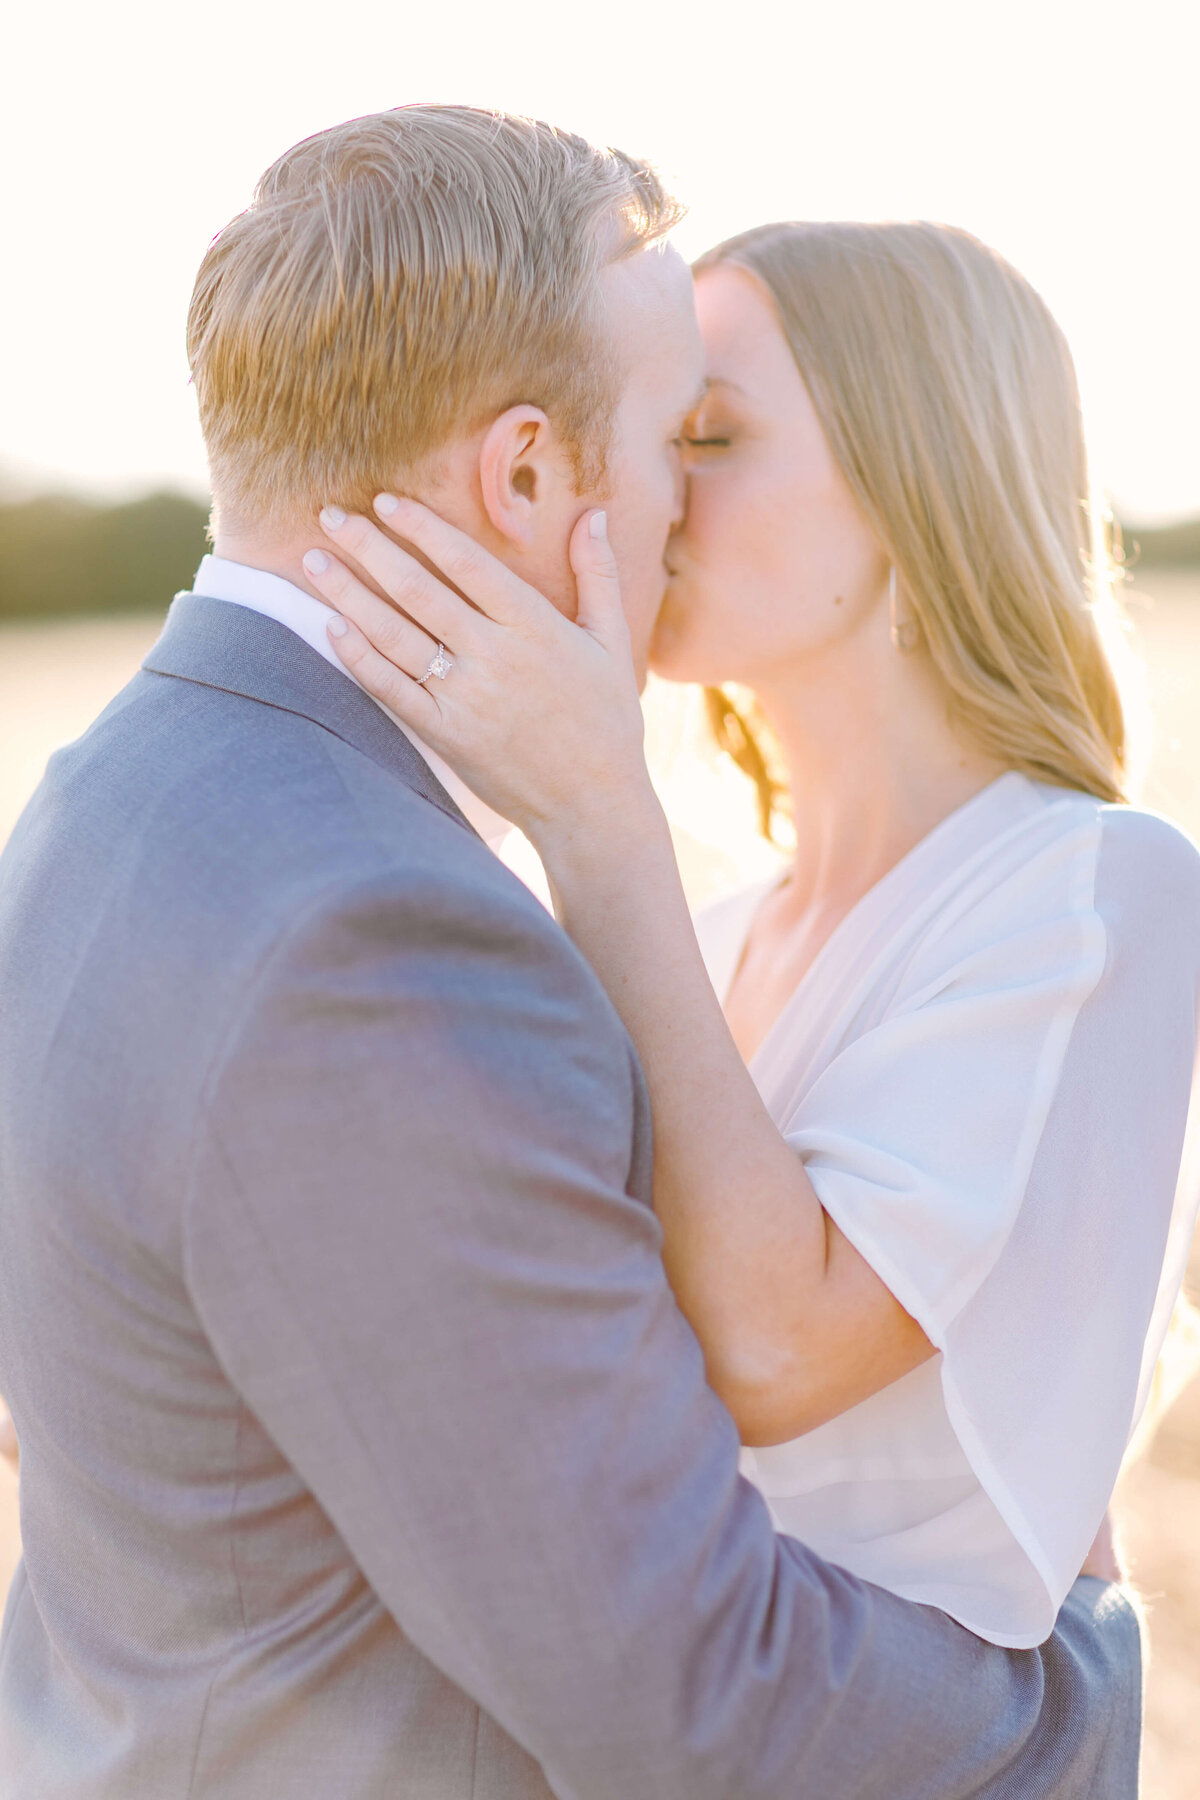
(710, 443)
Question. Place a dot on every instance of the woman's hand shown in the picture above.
(1104, 1559)
(9, 1451)
(540, 716)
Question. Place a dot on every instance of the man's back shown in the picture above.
(363, 1449)
(185, 1604)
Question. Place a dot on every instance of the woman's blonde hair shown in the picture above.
(947, 394)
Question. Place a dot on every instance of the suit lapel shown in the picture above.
(221, 645)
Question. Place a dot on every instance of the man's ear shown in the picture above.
(517, 466)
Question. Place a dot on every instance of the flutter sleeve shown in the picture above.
(1008, 1145)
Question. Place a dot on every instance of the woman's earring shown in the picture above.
(906, 634)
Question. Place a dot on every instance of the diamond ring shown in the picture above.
(440, 666)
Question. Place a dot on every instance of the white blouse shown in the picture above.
(987, 1072)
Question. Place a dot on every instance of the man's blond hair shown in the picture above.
(398, 280)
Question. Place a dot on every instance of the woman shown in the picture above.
(930, 1239)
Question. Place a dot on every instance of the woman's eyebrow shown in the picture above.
(721, 381)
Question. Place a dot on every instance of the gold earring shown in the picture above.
(906, 634)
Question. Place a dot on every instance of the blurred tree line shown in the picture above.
(61, 554)
(1167, 546)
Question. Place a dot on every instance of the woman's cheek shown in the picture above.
(719, 531)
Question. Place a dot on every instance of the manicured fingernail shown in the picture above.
(332, 518)
(598, 525)
(315, 561)
(337, 626)
(386, 504)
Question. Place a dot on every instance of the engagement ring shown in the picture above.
(440, 666)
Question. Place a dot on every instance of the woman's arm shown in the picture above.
(541, 718)
(796, 1326)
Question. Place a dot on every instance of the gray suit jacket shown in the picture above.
(364, 1451)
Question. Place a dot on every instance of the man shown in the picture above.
(365, 1450)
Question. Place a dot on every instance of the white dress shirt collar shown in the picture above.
(218, 578)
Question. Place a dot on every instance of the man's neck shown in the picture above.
(282, 556)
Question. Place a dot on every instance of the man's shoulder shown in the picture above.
(219, 778)
(208, 827)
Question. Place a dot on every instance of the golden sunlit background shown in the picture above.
(1064, 132)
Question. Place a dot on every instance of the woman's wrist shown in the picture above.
(597, 834)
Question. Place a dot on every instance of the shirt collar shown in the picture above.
(219, 578)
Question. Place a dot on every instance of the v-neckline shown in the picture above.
(878, 899)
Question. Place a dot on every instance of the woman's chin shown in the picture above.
(678, 655)
(673, 646)
(666, 661)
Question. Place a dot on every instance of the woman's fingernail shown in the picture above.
(315, 561)
(337, 626)
(386, 504)
(332, 518)
(598, 525)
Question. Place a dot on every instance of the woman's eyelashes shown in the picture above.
(700, 431)
(699, 435)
